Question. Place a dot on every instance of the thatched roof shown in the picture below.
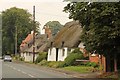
(24, 44)
(68, 36)
(40, 42)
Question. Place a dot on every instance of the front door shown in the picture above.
(56, 54)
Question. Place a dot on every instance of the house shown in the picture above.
(64, 42)
(24, 45)
(40, 46)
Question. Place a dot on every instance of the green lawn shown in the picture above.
(80, 69)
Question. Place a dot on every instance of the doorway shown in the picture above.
(56, 54)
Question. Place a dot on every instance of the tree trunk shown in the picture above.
(108, 65)
(115, 63)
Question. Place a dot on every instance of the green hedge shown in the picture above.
(71, 58)
(93, 64)
(43, 63)
(41, 56)
(54, 64)
(69, 61)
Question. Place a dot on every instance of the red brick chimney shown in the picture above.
(48, 31)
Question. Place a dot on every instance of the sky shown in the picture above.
(45, 10)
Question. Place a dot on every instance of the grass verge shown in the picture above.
(80, 69)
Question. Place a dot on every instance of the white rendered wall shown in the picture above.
(52, 54)
(29, 57)
(60, 54)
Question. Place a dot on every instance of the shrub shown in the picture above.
(43, 63)
(16, 57)
(41, 56)
(71, 59)
(93, 64)
(56, 64)
(22, 59)
(61, 64)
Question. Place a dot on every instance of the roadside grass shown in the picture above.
(81, 69)
(30, 62)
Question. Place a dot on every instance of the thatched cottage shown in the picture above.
(65, 41)
(27, 48)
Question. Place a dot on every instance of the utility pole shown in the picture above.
(33, 34)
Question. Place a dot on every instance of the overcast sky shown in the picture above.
(46, 10)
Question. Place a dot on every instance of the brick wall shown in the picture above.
(94, 59)
(99, 60)
(48, 32)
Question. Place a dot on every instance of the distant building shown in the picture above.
(26, 46)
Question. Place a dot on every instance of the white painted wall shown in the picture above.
(60, 54)
(22, 54)
(52, 54)
(29, 56)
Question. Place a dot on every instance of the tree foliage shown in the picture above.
(101, 24)
(55, 26)
(15, 20)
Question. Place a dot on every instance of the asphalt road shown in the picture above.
(19, 70)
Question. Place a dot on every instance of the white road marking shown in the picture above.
(11, 66)
(14, 68)
(23, 72)
(30, 75)
(19, 70)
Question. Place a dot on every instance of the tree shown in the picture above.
(55, 26)
(101, 24)
(15, 19)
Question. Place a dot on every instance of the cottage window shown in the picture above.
(37, 47)
(29, 54)
(26, 54)
(51, 44)
(63, 43)
(63, 53)
(28, 45)
(50, 51)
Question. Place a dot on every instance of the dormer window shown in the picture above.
(37, 47)
(51, 44)
(28, 45)
(63, 53)
(47, 36)
(63, 43)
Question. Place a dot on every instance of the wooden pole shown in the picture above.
(33, 34)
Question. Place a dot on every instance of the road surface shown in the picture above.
(19, 70)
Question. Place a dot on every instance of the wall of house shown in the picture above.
(62, 54)
(29, 56)
(51, 54)
(22, 54)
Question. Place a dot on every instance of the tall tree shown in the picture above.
(15, 21)
(55, 26)
(101, 24)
